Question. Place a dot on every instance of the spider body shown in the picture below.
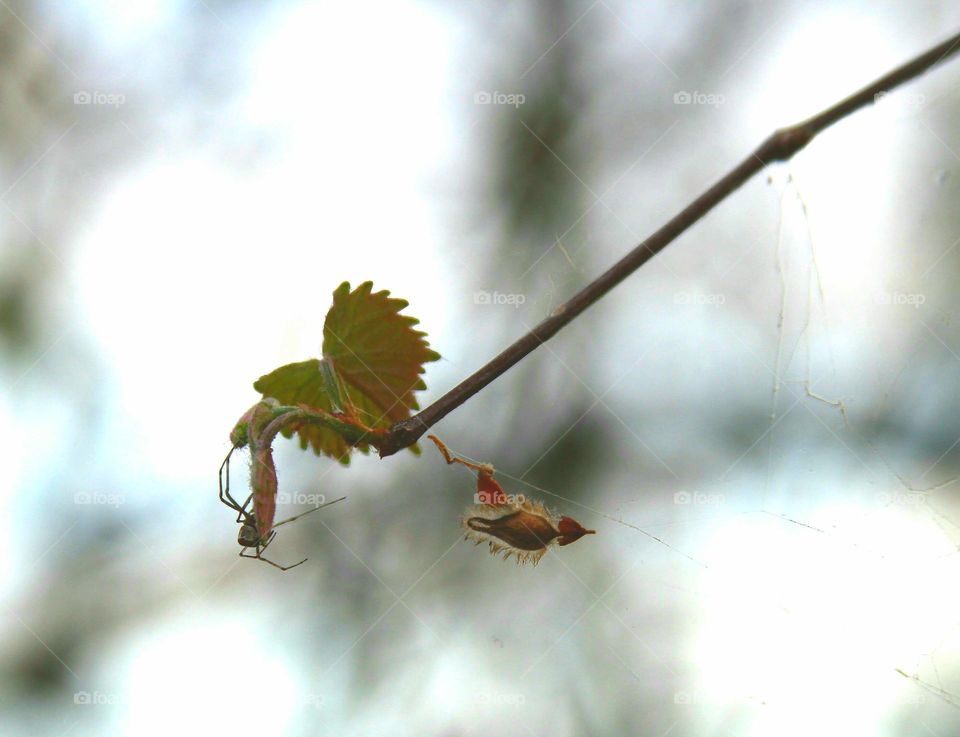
(249, 535)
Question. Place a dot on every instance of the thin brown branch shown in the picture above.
(780, 146)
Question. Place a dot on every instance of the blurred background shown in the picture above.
(185, 182)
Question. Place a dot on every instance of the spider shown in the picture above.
(249, 535)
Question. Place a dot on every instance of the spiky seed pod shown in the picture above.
(511, 525)
(525, 530)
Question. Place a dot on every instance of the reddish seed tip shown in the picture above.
(571, 530)
(568, 525)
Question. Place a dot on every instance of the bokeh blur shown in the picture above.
(760, 424)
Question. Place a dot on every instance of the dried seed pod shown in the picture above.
(511, 525)
(525, 530)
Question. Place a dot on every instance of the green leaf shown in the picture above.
(376, 353)
(372, 366)
(302, 384)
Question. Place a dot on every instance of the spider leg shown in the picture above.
(282, 568)
(225, 496)
(264, 543)
(257, 556)
(303, 514)
(263, 546)
(242, 514)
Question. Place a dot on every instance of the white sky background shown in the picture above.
(193, 274)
